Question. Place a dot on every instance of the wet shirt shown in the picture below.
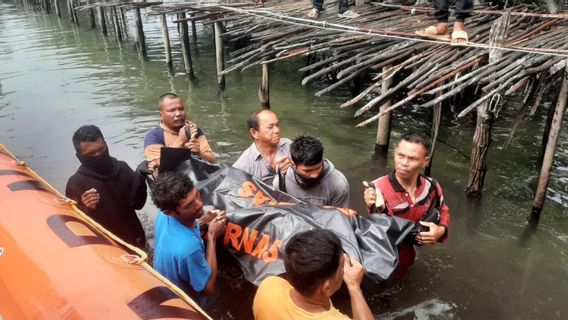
(179, 254)
(252, 161)
(273, 302)
(399, 203)
(332, 190)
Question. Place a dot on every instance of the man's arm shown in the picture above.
(138, 196)
(353, 273)
(436, 232)
(216, 229)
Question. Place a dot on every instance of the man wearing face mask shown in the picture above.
(107, 189)
(313, 178)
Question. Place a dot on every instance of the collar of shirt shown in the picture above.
(257, 155)
(396, 185)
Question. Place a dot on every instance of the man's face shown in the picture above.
(92, 149)
(409, 159)
(172, 113)
(268, 128)
(310, 171)
(190, 207)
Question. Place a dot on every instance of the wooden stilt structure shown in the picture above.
(482, 136)
(219, 55)
(194, 32)
(263, 90)
(436, 120)
(167, 48)
(548, 159)
(384, 123)
(140, 33)
(102, 21)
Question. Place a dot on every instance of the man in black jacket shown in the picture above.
(107, 189)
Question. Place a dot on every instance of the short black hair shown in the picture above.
(425, 141)
(306, 150)
(252, 121)
(86, 133)
(169, 188)
(310, 258)
(167, 95)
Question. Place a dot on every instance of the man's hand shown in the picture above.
(209, 215)
(353, 272)
(283, 163)
(152, 165)
(431, 236)
(217, 227)
(91, 198)
(372, 197)
(193, 144)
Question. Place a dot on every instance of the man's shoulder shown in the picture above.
(245, 159)
(154, 136)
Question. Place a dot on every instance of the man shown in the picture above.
(344, 11)
(463, 10)
(407, 194)
(180, 254)
(107, 189)
(268, 153)
(174, 131)
(315, 269)
(313, 178)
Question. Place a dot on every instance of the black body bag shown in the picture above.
(432, 215)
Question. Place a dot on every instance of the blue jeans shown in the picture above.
(343, 5)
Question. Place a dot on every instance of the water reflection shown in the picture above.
(55, 77)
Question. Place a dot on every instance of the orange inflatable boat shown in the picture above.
(56, 263)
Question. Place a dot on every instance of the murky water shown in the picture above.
(55, 77)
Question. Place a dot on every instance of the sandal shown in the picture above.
(432, 33)
(459, 35)
(348, 14)
(314, 13)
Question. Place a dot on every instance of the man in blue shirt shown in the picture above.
(180, 254)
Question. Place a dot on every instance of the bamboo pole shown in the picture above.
(436, 120)
(102, 21)
(140, 33)
(482, 135)
(117, 28)
(185, 49)
(219, 55)
(263, 90)
(167, 48)
(384, 123)
(548, 160)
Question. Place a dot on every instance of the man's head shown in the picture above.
(411, 155)
(172, 111)
(91, 148)
(307, 155)
(314, 263)
(175, 195)
(264, 127)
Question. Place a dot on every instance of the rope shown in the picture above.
(267, 14)
(139, 259)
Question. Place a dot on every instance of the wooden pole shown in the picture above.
(384, 124)
(548, 160)
(124, 23)
(193, 32)
(185, 49)
(74, 13)
(167, 48)
(436, 119)
(359, 3)
(117, 28)
(102, 21)
(140, 33)
(219, 55)
(482, 135)
(70, 9)
(263, 90)
(92, 18)
(57, 9)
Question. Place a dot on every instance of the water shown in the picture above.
(55, 77)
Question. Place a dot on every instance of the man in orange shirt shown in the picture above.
(315, 268)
